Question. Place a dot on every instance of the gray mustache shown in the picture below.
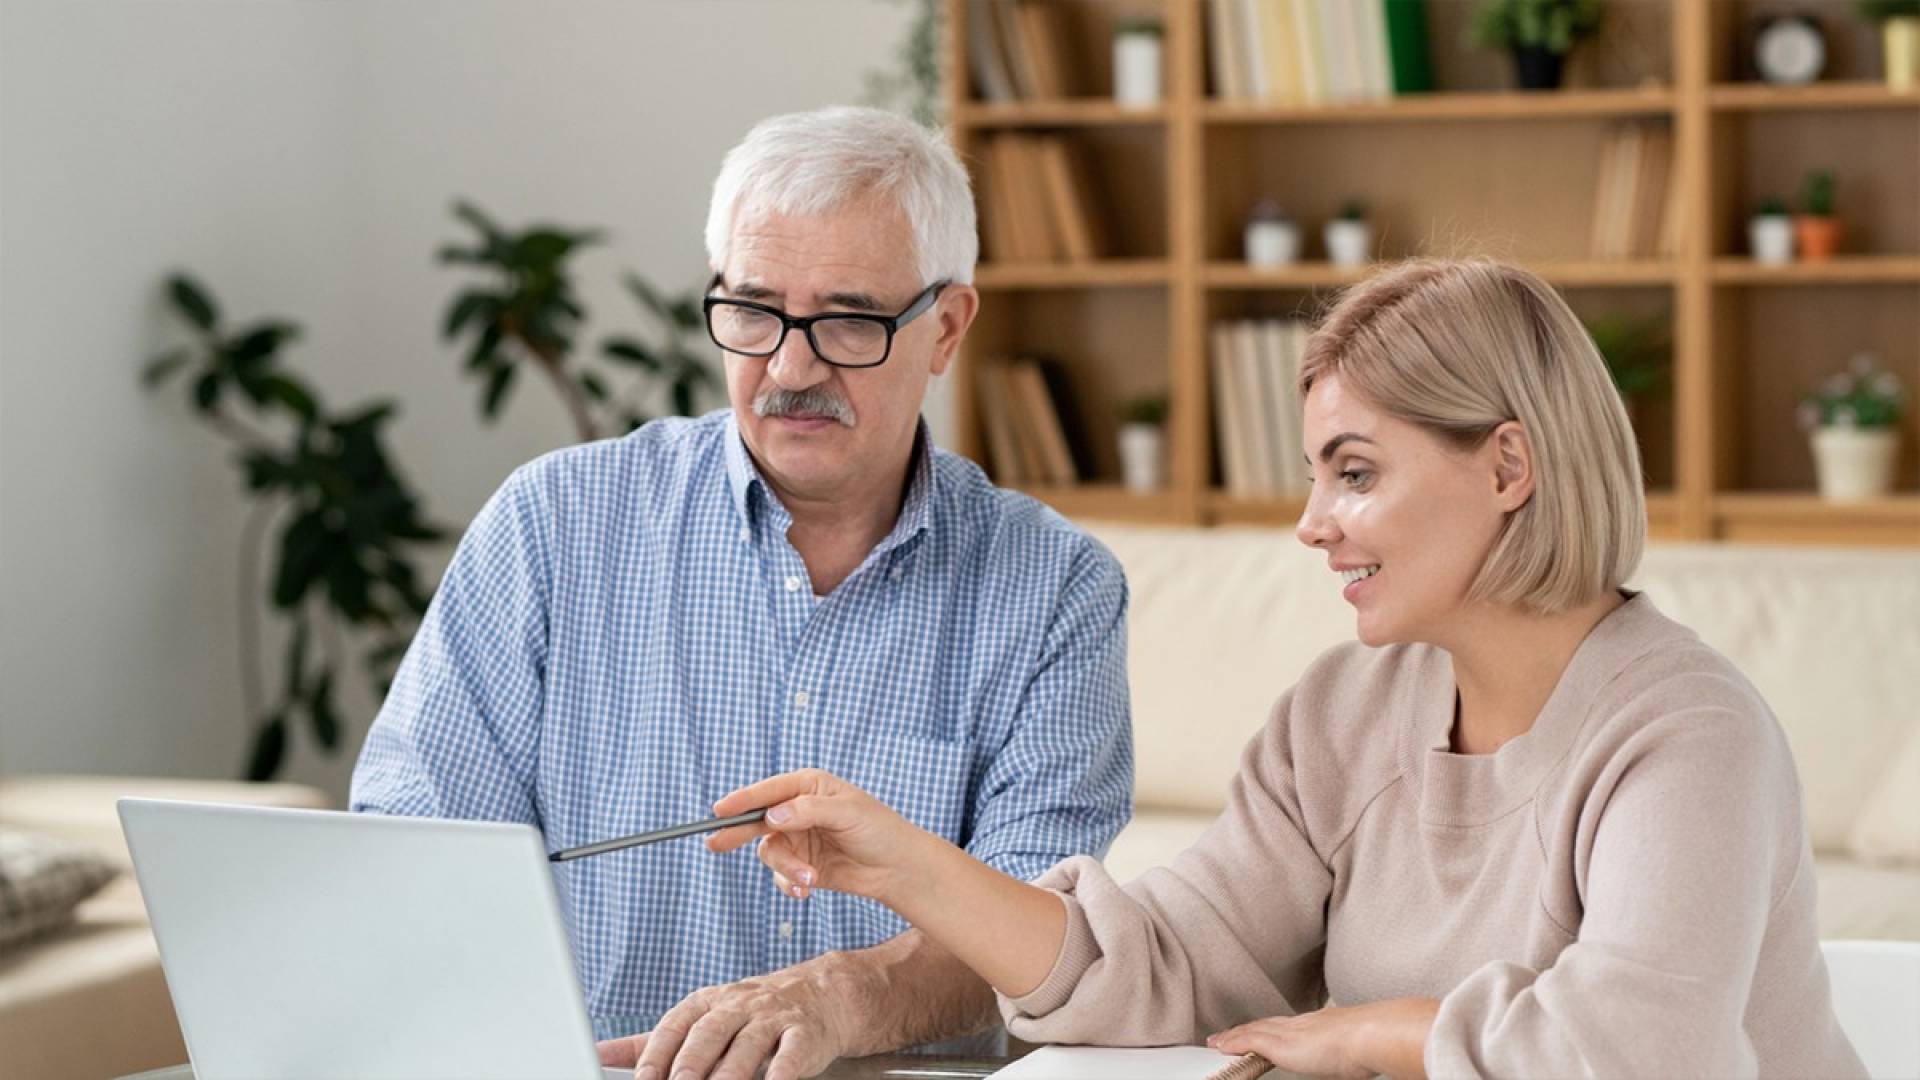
(813, 401)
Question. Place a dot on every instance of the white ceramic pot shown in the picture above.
(1771, 238)
(1273, 243)
(1854, 463)
(1136, 70)
(1142, 452)
(1349, 243)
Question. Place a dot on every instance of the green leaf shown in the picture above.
(687, 314)
(471, 214)
(206, 392)
(192, 302)
(682, 398)
(631, 352)
(649, 296)
(297, 660)
(260, 342)
(326, 722)
(591, 385)
(302, 558)
(469, 306)
(269, 747)
(486, 347)
(288, 391)
(497, 386)
(159, 368)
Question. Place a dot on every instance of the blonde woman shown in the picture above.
(1527, 826)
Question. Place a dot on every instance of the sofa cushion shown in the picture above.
(1889, 828)
(42, 881)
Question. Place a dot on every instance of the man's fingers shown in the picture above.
(622, 1053)
(663, 1042)
(797, 1056)
(749, 1048)
(706, 1042)
(768, 792)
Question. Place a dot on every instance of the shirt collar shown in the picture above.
(916, 511)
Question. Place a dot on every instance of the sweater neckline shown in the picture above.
(1466, 790)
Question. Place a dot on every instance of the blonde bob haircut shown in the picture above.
(1459, 347)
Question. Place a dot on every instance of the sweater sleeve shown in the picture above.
(1696, 835)
(1234, 929)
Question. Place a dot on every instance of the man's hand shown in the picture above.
(727, 1032)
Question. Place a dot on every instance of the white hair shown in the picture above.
(809, 163)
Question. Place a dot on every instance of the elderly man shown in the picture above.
(634, 627)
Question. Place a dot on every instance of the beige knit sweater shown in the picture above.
(1625, 890)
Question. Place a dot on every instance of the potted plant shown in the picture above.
(1540, 34)
(1770, 232)
(1350, 237)
(1899, 38)
(1143, 442)
(1272, 237)
(1853, 422)
(1136, 62)
(1816, 231)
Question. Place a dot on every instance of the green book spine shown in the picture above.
(1407, 46)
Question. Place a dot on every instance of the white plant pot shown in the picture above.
(1136, 70)
(1771, 238)
(1142, 453)
(1273, 243)
(1349, 243)
(1854, 463)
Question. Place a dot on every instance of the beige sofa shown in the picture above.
(90, 1001)
(1222, 620)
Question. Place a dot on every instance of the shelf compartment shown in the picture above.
(1840, 270)
(1761, 97)
(1806, 518)
(1474, 107)
(1112, 272)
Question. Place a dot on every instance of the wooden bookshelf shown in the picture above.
(1475, 168)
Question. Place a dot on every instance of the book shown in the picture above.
(991, 78)
(1131, 1063)
(1409, 51)
(1253, 53)
(996, 419)
(1018, 49)
(1228, 428)
(1223, 52)
(1041, 423)
(1308, 51)
(1370, 33)
(1073, 231)
(1255, 418)
(1276, 46)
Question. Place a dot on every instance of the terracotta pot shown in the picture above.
(1817, 238)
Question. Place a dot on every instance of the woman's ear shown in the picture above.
(1512, 466)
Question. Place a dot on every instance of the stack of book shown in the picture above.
(1034, 434)
(1037, 200)
(1636, 210)
(1016, 49)
(1312, 52)
(1256, 402)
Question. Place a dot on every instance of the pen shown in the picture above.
(1244, 1067)
(674, 833)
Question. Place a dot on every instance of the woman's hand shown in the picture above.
(821, 832)
(1385, 1038)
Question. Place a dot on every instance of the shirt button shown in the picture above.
(746, 535)
(896, 573)
(800, 699)
(793, 583)
(786, 929)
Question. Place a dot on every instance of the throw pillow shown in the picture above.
(42, 880)
(1888, 830)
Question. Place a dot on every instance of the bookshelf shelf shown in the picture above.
(1092, 112)
(1499, 105)
(1071, 275)
(1547, 179)
(1759, 97)
(1841, 270)
(1571, 274)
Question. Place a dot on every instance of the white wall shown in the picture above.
(301, 158)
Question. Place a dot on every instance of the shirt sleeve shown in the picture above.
(1062, 782)
(1697, 827)
(459, 731)
(1234, 929)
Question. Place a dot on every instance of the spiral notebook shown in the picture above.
(1153, 1063)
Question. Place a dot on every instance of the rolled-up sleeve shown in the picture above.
(459, 732)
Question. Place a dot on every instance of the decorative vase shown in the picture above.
(1854, 463)
(1136, 69)
(1816, 237)
(1142, 449)
(1770, 236)
(1538, 68)
(1900, 44)
(1349, 242)
(1272, 242)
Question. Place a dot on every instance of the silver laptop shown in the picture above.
(306, 944)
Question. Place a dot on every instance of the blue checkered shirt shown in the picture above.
(625, 635)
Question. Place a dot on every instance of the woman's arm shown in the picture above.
(823, 833)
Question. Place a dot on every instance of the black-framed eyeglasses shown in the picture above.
(842, 338)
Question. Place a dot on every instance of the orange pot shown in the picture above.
(1816, 238)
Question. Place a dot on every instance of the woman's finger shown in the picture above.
(737, 836)
(768, 792)
(794, 876)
